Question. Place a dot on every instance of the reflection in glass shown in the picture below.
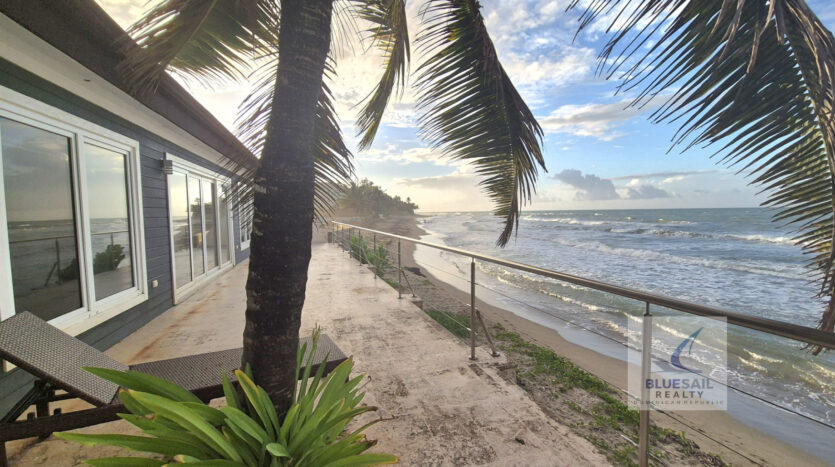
(211, 232)
(246, 223)
(196, 226)
(179, 226)
(106, 172)
(41, 220)
(223, 207)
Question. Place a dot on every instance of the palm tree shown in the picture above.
(469, 108)
(756, 79)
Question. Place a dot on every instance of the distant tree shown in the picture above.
(365, 199)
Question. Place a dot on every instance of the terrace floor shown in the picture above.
(439, 407)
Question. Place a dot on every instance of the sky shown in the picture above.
(599, 154)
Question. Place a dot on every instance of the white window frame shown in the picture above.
(24, 109)
(245, 217)
(191, 170)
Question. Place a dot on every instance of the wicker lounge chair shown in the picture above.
(56, 358)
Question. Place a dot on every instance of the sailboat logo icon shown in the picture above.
(675, 359)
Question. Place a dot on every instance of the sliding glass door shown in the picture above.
(110, 237)
(42, 225)
(181, 238)
(70, 231)
(199, 226)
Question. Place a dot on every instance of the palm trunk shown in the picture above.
(282, 227)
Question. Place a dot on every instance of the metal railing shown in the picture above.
(56, 266)
(807, 335)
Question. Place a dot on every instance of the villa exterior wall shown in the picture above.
(154, 194)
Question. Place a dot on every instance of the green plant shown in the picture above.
(247, 431)
(451, 321)
(359, 250)
(379, 258)
(109, 259)
(70, 272)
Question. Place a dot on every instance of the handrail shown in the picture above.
(58, 237)
(804, 334)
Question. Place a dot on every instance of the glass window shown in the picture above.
(246, 225)
(210, 226)
(199, 205)
(69, 203)
(107, 188)
(223, 208)
(196, 209)
(180, 228)
(41, 221)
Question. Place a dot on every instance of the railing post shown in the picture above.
(58, 259)
(495, 353)
(472, 309)
(375, 243)
(360, 249)
(646, 362)
(399, 272)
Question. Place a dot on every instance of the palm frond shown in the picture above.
(754, 79)
(333, 165)
(345, 29)
(471, 109)
(389, 33)
(208, 40)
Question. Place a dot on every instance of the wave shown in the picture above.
(756, 363)
(754, 238)
(754, 267)
(662, 233)
(631, 227)
(562, 220)
(764, 239)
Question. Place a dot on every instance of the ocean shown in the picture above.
(735, 259)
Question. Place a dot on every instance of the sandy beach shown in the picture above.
(715, 432)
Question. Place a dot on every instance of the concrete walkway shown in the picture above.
(444, 409)
(440, 408)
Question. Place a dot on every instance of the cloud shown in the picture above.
(665, 175)
(441, 182)
(395, 153)
(458, 190)
(590, 187)
(567, 65)
(595, 120)
(647, 192)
